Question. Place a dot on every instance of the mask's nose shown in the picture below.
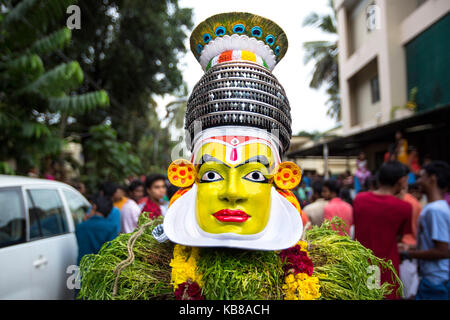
(233, 193)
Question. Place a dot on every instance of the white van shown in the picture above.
(37, 237)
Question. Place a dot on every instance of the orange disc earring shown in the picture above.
(181, 173)
(288, 175)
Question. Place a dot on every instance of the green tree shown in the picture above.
(325, 57)
(176, 110)
(132, 49)
(312, 134)
(110, 159)
(154, 148)
(37, 89)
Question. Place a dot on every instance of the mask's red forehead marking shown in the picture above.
(233, 155)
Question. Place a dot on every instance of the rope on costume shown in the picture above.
(307, 224)
(125, 263)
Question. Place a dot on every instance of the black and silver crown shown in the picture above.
(240, 93)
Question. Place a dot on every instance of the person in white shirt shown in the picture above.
(315, 210)
(129, 215)
(136, 192)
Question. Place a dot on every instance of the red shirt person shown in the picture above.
(336, 207)
(156, 189)
(381, 219)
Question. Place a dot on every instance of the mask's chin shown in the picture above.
(232, 228)
(237, 233)
(226, 228)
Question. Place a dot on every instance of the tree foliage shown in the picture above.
(36, 90)
(325, 57)
(110, 159)
(53, 83)
(132, 49)
(176, 109)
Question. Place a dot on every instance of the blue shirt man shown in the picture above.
(97, 230)
(114, 217)
(307, 181)
(433, 234)
(434, 225)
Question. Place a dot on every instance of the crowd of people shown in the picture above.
(400, 219)
(116, 209)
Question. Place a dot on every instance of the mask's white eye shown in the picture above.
(210, 176)
(255, 176)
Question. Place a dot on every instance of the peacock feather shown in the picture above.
(242, 23)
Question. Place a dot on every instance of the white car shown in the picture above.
(37, 237)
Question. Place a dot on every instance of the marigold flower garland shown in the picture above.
(299, 284)
(339, 262)
(185, 279)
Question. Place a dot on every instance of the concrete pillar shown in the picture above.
(343, 47)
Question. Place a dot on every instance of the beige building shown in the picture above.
(336, 165)
(372, 60)
(389, 49)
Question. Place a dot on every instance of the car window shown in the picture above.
(12, 217)
(78, 205)
(46, 213)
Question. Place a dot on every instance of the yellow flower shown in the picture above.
(303, 245)
(290, 278)
(184, 265)
(301, 287)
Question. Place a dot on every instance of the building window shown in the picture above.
(375, 89)
(427, 65)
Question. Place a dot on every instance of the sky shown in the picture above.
(308, 109)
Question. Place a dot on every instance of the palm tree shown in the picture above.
(176, 110)
(325, 56)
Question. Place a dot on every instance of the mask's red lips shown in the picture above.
(228, 215)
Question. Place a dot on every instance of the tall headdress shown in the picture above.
(238, 52)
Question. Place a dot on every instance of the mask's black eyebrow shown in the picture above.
(261, 159)
(207, 158)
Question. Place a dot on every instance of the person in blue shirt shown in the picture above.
(307, 179)
(356, 185)
(109, 189)
(433, 234)
(98, 229)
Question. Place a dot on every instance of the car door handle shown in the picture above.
(41, 261)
